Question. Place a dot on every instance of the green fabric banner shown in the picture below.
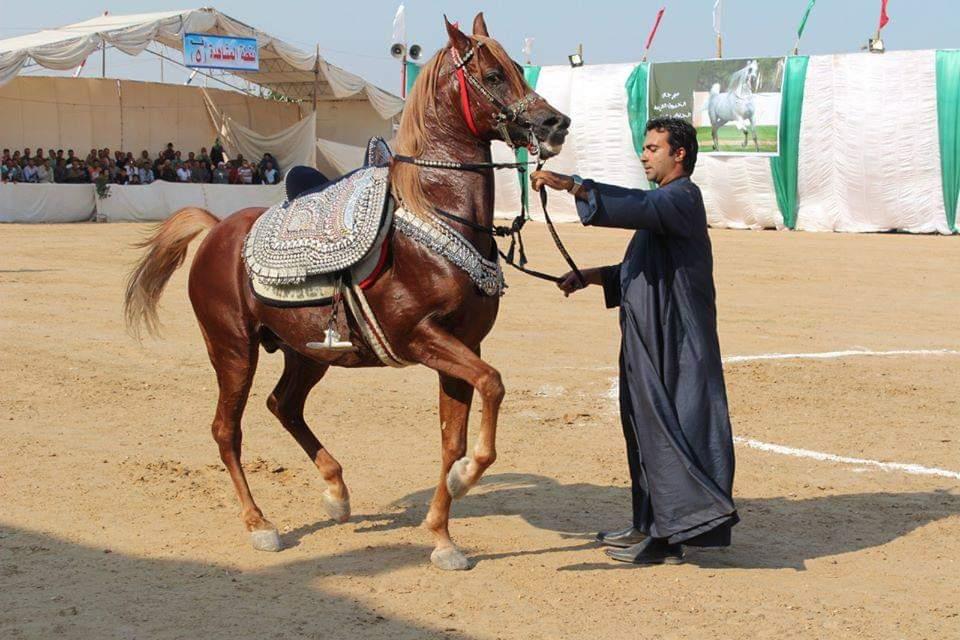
(785, 166)
(531, 74)
(806, 16)
(637, 104)
(413, 70)
(948, 121)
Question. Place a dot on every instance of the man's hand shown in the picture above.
(557, 181)
(570, 283)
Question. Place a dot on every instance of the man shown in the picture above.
(270, 174)
(673, 402)
(220, 174)
(30, 172)
(183, 172)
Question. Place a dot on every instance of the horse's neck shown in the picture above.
(468, 194)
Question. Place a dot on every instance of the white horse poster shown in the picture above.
(734, 104)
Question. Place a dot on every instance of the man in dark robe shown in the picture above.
(673, 402)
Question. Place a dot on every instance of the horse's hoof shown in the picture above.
(266, 540)
(456, 484)
(339, 510)
(449, 559)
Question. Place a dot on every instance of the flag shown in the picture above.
(656, 25)
(803, 23)
(884, 18)
(399, 26)
(528, 47)
(717, 10)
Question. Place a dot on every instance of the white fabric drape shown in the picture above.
(157, 201)
(738, 192)
(291, 146)
(46, 202)
(67, 47)
(869, 146)
(342, 157)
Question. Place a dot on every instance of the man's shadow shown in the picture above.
(775, 533)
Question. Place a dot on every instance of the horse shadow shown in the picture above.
(55, 588)
(774, 532)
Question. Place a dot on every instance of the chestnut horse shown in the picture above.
(430, 310)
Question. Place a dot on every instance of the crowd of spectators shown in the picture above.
(101, 166)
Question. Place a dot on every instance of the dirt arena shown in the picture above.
(118, 521)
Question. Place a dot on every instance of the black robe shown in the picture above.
(673, 402)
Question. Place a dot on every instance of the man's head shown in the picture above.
(669, 150)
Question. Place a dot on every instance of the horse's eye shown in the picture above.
(493, 77)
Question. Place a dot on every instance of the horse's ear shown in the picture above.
(458, 39)
(480, 26)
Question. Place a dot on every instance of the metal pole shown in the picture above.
(719, 46)
(403, 76)
(316, 80)
(103, 58)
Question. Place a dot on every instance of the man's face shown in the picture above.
(658, 161)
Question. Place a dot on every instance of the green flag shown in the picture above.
(806, 14)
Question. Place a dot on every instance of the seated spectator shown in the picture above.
(134, 178)
(60, 170)
(183, 173)
(270, 174)
(145, 173)
(245, 172)
(5, 157)
(167, 172)
(203, 157)
(30, 172)
(168, 153)
(4, 170)
(44, 172)
(144, 156)
(26, 156)
(268, 159)
(14, 172)
(94, 171)
(201, 172)
(94, 156)
(234, 175)
(177, 159)
(220, 174)
(121, 177)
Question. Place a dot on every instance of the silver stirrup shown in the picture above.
(331, 342)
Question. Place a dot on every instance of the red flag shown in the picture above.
(884, 18)
(656, 25)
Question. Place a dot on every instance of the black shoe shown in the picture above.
(622, 539)
(650, 551)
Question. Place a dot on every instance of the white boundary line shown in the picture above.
(912, 469)
(826, 355)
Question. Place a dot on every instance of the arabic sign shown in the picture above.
(734, 104)
(206, 51)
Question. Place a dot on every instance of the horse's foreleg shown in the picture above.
(444, 353)
(756, 142)
(300, 375)
(235, 369)
(716, 137)
(455, 398)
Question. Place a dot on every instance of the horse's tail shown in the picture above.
(167, 249)
(715, 89)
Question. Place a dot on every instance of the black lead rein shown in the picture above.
(512, 231)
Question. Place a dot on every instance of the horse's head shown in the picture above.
(753, 76)
(492, 96)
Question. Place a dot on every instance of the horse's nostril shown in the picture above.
(551, 122)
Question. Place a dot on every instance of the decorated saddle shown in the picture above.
(298, 250)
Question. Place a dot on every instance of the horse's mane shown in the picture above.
(421, 103)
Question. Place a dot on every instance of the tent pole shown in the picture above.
(205, 75)
(316, 79)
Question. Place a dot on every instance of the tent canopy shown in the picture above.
(284, 69)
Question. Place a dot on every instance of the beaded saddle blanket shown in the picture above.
(323, 231)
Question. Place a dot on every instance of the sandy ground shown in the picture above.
(117, 521)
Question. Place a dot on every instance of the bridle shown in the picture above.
(505, 116)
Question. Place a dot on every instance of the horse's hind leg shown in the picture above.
(235, 365)
(300, 375)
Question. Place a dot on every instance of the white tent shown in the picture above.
(283, 68)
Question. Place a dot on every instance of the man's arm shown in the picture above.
(607, 277)
(660, 211)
